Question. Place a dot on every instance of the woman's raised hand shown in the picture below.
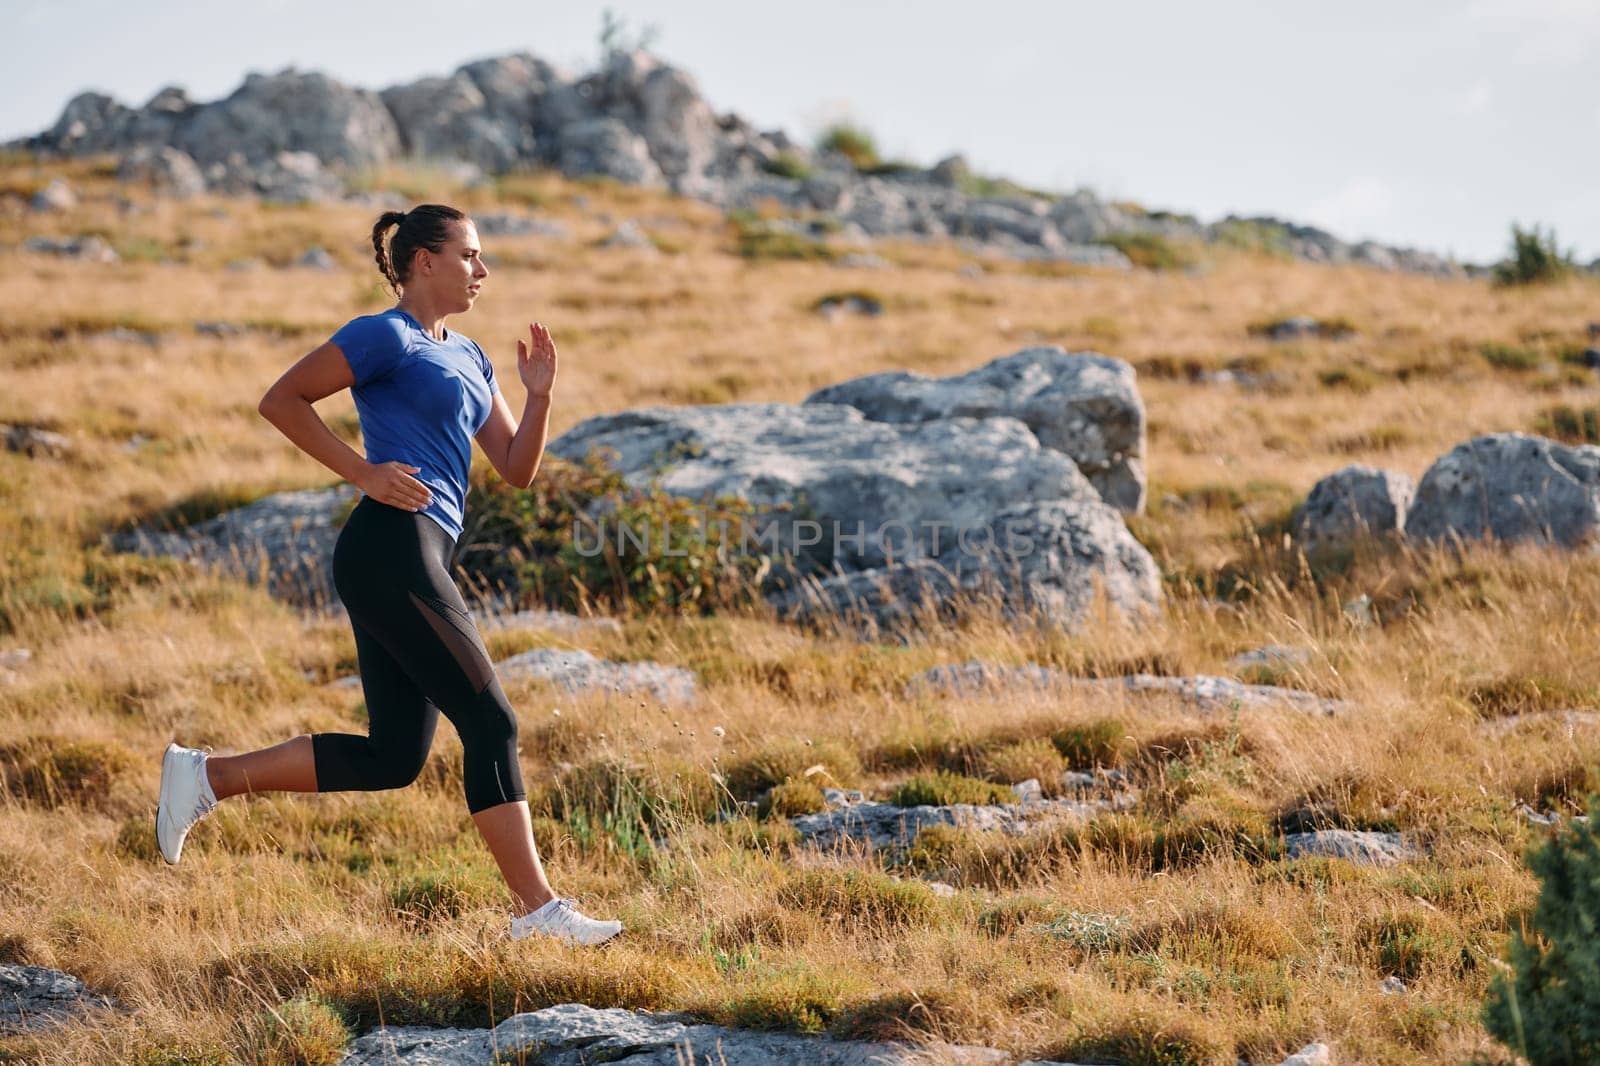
(536, 360)
(392, 483)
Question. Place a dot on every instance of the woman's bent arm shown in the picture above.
(287, 405)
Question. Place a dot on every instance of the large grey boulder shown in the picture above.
(970, 503)
(1349, 504)
(572, 1034)
(853, 822)
(1512, 487)
(293, 111)
(1357, 846)
(605, 146)
(448, 118)
(1082, 404)
(285, 539)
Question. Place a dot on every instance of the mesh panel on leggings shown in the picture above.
(466, 649)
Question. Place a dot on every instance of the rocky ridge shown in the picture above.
(298, 135)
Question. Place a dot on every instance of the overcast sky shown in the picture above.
(1435, 124)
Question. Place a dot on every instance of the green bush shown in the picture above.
(851, 141)
(1574, 425)
(1548, 1009)
(1152, 251)
(787, 165)
(1535, 258)
(683, 554)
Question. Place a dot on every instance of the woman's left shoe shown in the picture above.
(186, 797)
(561, 918)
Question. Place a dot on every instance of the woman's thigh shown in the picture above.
(400, 716)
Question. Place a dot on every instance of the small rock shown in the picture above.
(1392, 986)
(579, 671)
(972, 270)
(57, 196)
(317, 258)
(1318, 1054)
(1591, 358)
(628, 235)
(939, 888)
(243, 266)
(1372, 848)
(90, 249)
(1029, 791)
(852, 303)
(36, 443)
(863, 261)
(34, 997)
(218, 329)
(1359, 610)
(15, 657)
(502, 224)
(1273, 655)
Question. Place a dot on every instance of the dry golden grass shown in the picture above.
(295, 917)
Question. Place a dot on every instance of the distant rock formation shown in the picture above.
(294, 135)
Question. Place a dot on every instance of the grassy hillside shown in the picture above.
(1171, 934)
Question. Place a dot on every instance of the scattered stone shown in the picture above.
(1512, 487)
(56, 196)
(37, 443)
(12, 658)
(36, 997)
(1349, 504)
(972, 270)
(1573, 720)
(90, 249)
(572, 1034)
(244, 266)
(579, 671)
(1272, 657)
(1591, 358)
(164, 169)
(1359, 611)
(501, 224)
(831, 307)
(629, 235)
(1205, 692)
(1087, 929)
(317, 259)
(1373, 848)
(1318, 1054)
(1029, 791)
(863, 261)
(883, 825)
(1305, 326)
(1082, 404)
(1392, 986)
(221, 330)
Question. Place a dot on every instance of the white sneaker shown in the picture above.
(186, 797)
(561, 918)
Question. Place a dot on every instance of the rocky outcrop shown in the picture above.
(575, 1035)
(287, 538)
(851, 819)
(578, 671)
(883, 517)
(638, 119)
(1201, 691)
(1367, 848)
(1349, 504)
(34, 997)
(1511, 487)
(1081, 404)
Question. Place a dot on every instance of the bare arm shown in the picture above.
(516, 448)
(287, 405)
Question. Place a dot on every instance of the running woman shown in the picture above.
(423, 393)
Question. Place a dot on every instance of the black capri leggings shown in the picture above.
(419, 653)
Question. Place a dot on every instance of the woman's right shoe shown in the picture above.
(561, 918)
(186, 797)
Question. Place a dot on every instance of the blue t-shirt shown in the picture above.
(421, 401)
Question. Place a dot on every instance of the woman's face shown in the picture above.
(456, 271)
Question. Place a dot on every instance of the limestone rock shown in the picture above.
(862, 510)
(1357, 501)
(1370, 848)
(1082, 404)
(572, 1034)
(579, 671)
(1513, 487)
(35, 997)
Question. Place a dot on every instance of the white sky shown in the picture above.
(1433, 123)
